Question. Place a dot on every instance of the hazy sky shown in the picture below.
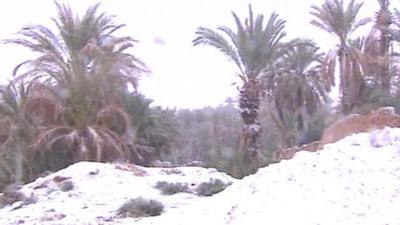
(182, 75)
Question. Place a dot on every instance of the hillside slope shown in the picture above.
(353, 181)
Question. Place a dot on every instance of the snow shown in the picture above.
(353, 181)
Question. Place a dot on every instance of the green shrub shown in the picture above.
(171, 188)
(140, 207)
(213, 186)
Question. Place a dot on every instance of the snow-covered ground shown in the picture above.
(353, 181)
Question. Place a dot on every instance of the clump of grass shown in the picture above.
(213, 186)
(140, 207)
(12, 193)
(171, 171)
(171, 188)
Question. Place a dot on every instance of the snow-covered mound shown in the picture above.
(353, 181)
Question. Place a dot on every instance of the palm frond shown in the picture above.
(328, 69)
(208, 36)
(333, 17)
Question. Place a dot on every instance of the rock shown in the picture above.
(59, 179)
(12, 190)
(355, 123)
(66, 185)
(289, 153)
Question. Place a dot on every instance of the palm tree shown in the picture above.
(383, 21)
(299, 92)
(85, 60)
(377, 46)
(341, 21)
(83, 68)
(251, 48)
(154, 128)
(20, 127)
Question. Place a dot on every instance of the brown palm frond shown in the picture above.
(92, 143)
(43, 109)
(114, 118)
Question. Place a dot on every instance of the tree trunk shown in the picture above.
(343, 81)
(249, 102)
(19, 164)
(281, 127)
(384, 75)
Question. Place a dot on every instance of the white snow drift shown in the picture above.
(353, 181)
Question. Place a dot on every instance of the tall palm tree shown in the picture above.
(83, 68)
(251, 47)
(299, 91)
(378, 44)
(333, 17)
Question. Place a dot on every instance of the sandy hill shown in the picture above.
(353, 181)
